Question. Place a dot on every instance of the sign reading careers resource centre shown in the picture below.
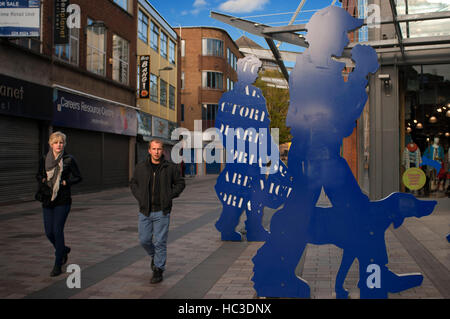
(19, 18)
(71, 110)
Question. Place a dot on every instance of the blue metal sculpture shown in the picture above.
(323, 110)
(248, 182)
(432, 163)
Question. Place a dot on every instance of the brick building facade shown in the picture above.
(86, 89)
(208, 69)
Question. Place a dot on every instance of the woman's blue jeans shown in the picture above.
(54, 221)
(153, 233)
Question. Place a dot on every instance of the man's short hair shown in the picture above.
(155, 140)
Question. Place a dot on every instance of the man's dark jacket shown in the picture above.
(171, 185)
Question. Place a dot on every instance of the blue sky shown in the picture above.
(197, 13)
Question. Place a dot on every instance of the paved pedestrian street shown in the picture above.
(102, 232)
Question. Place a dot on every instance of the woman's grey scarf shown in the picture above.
(53, 168)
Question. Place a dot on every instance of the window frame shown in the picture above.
(172, 52)
(154, 27)
(120, 60)
(143, 38)
(62, 47)
(161, 91)
(163, 44)
(211, 77)
(172, 95)
(154, 88)
(213, 50)
(89, 46)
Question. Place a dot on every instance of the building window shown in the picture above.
(163, 92)
(182, 80)
(153, 88)
(209, 112)
(96, 48)
(163, 45)
(212, 80)
(171, 52)
(230, 84)
(154, 40)
(232, 60)
(182, 112)
(120, 60)
(31, 43)
(142, 26)
(171, 97)
(183, 48)
(69, 52)
(212, 47)
(122, 3)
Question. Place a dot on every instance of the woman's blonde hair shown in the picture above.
(57, 136)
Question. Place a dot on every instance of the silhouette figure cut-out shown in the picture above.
(247, 183)
(323, 110)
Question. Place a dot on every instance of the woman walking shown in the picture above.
(59, 171)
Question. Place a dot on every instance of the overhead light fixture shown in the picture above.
(447, 134)
(448, 113)
(415, 121)
(432, 119)
(408, 129)
(419, 126)
(439, 110)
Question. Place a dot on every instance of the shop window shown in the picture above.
(424, 117)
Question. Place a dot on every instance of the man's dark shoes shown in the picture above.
(157, 276)
(56, 271)
(65, 257)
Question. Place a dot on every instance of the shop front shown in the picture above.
(425, 125)
(25, 113)
(100, 135)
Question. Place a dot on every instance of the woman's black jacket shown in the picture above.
(71, 174)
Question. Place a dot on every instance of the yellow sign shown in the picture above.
(414, 178)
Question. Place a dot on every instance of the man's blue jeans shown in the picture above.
(153, 233)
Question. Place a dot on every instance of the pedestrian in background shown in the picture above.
(58, 171)
(155, 183)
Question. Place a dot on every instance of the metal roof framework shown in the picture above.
(408, 47)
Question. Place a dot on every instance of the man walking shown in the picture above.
(155, 183)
